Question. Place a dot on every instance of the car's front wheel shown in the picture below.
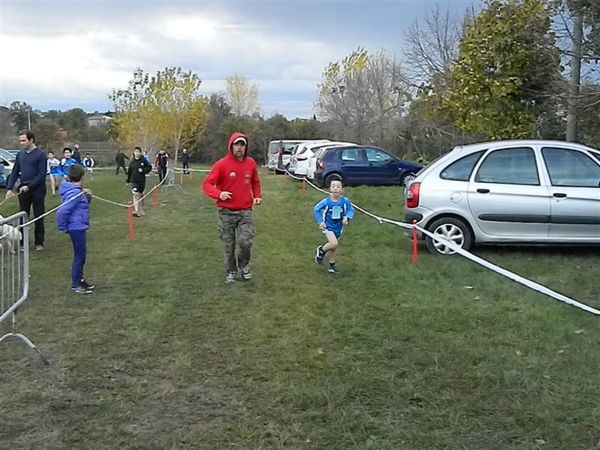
(451, 229)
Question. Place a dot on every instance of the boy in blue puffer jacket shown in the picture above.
(73, 218)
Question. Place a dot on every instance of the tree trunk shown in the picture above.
(575, 78)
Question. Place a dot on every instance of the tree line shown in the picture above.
(512, 69)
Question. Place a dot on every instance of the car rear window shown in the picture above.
(461, 169)
(287, 147)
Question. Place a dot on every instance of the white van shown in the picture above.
(279, 152)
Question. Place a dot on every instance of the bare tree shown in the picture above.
(578, 28)
(241, 95)
(364, 96)
(432, 44)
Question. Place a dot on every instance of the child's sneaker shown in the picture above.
(82, 290)
(246, 274)
(230, 278)
(320, 254)
(84, 284)
(333, 268)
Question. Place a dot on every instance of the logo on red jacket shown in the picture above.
(232, 174)
(247, 177)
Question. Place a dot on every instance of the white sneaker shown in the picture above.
(230, 278)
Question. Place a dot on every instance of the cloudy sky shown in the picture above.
(67, 54)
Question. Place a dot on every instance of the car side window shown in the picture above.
(350, 154)
(377, 156)
(509, 166)
(568, 167)
(462, 169)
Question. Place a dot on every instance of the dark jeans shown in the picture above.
(36, 199)
(162, 172)
(186, 166)
(78, 240)
(124, 169)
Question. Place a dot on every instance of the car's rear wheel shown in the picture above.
(405, 177)
(451, 229)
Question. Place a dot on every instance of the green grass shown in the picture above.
(444, 355)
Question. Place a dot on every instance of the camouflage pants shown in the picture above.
(236, 228)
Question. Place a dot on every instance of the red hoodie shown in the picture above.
(238, 177)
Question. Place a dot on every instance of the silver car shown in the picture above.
(520, 192)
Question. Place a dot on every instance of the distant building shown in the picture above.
(98, 120)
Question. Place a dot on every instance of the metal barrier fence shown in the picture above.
(14, 273)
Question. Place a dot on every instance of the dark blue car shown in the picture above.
(363, 165)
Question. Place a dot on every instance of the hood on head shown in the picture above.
(67, 186)
(234, 137)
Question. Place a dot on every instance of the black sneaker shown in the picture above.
(319, 255)
(84, 284)
(333, 269)
(82, 290)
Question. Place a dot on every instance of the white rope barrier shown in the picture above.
(476, 259)
(135, 202)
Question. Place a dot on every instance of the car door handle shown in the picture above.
(483, 191)
(559, 195)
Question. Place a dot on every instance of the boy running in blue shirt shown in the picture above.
(332, 214)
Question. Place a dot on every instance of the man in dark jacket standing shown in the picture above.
(30, 168)
(185, 161)
(162, 161)
(120, 160)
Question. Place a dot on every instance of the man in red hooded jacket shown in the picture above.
(233, 182)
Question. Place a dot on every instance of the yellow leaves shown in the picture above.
(159, 109)
(241, 95)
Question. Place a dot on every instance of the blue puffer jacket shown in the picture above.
(74, 215)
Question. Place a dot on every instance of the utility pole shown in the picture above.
(575, 77)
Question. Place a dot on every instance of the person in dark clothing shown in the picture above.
(31, 168)
(120, 160)
(185, 161)
(136, 178)
(162, 161)
(76, 154)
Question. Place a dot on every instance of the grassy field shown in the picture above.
(163, 355)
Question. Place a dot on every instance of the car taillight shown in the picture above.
(320, 164)
(412, 195)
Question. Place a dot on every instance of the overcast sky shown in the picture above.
(68, 54)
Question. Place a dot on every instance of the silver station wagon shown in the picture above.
(518, 192)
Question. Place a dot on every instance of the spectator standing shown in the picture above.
(76, 154)
(162, 162)
(234, 183)
(185, 161)
(30, 167)
(73, 218)
(89, 163)
(120, 158)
